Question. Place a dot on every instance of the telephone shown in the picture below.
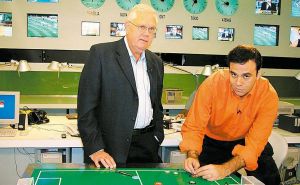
(72, 129)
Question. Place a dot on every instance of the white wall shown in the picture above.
(72, 12)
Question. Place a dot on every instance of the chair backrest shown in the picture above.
(280, 147)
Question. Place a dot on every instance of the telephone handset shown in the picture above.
(72, 129)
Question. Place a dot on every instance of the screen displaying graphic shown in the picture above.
(5, 24)
(200, 33)
(173, 32)
(226, 34)
(295, 36)
(117, 29)
(90, 28)
(295, 8)
(266, 35)
(7, 106)
(42, 25)
(267, 7)
(42, 1)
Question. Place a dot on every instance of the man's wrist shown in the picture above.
(192, 154)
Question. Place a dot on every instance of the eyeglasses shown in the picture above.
(143, 28)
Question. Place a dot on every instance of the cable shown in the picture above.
(16, 166)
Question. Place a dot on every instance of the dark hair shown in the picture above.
(242, 54)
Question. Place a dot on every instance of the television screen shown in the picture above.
(90, 28)
(42, 1)
(295, 36)
(266, 35)
(117, 29)
(173, 32)
(9, 107)
(42, 25)
(200, 33)
(226, 34)
(267, 7)
(5, 24)
(295, 8)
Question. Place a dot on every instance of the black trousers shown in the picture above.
(218, 152)
(144, 149)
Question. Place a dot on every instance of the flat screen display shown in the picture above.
(226, 34)
(266, 35)
(267, 7)
(173, 32)
(9, 107)
(90, 28)
(295, 8)
(42, 25)
(5, 24)
(200, 33)
(295, 36)
(117, 29)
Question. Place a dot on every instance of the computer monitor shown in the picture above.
(9, 107)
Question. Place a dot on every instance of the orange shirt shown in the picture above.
(220, 114)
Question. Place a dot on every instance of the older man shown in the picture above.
(119, 97)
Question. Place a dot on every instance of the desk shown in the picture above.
(64, 102)
(49, 135)
(73, 174)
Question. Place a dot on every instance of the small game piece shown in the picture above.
(158, 183)
(192, 182)
(175, 173)
(167, 171)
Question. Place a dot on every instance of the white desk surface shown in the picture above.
(49, 136)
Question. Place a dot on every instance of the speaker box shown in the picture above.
(23, 121)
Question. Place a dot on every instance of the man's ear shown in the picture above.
(259, 74)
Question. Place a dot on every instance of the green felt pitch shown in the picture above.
(141, 176)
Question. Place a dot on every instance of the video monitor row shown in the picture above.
(46, 25)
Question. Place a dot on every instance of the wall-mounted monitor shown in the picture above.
(226, 34)
(9, 107)
(295, 8)
(42, 25)
(42, 1)
(200, 33)
(266, 35)
(295, 36)
(5, 24)
(90, 28)
(117, 29)
(267, 7)
(173, 32)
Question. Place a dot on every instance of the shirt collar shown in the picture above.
(130, 53)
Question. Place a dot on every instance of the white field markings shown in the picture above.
(49, 178)
(137, 173)
(229, 177)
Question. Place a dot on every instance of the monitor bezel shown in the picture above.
(267, 25)
(207, 33)
(14, 121)
(41, 14)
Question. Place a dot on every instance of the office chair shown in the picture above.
(280, 147)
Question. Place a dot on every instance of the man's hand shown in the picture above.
(212, 172)
(106, 160)
(191, 163)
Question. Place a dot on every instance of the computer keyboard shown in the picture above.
(8, 132)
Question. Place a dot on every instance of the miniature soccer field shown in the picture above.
(124, 176)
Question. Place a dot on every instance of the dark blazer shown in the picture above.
(108, 100)
(264, 6)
